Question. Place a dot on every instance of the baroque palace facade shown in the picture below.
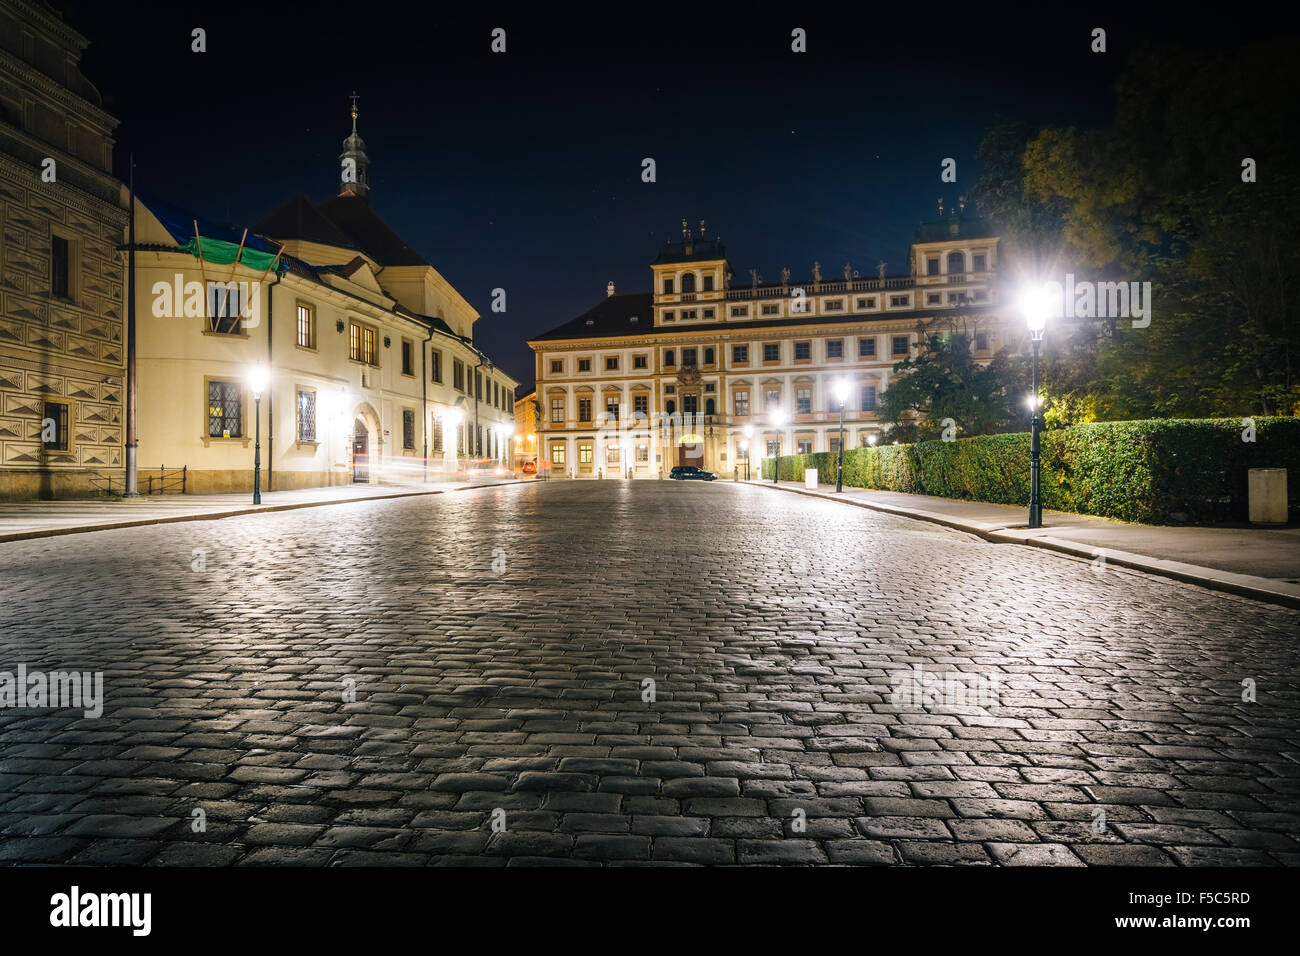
(62, 351)
(708, 372)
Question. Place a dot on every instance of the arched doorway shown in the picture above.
(360, 451)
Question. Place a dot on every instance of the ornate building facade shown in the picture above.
(706, 371)
(62, 355)
(371, 370)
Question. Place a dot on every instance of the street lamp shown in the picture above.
(871, 439)
(1035, 304)
(778, 419)
(748, 432)
(842, 396)
(257, 385)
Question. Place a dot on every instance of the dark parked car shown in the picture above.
(691, 473)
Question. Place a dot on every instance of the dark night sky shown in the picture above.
(523, 170)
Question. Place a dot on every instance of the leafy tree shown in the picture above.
(946, 381)
(1157, 195)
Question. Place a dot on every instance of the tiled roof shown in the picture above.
(368, 232)
(297, 218)
(613, 318)
(615, 315)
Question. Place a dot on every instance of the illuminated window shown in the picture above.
(225, 410)
(363, 344)
(306, 327)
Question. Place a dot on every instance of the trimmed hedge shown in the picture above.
(1162, 471)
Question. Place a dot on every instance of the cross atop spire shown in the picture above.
(354, 99)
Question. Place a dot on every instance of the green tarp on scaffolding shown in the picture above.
(221, 253)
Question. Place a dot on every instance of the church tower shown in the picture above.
(355, 175)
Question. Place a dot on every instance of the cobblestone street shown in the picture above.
(497, 641)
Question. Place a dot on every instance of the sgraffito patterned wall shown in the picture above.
(57, 185)
(54, 347)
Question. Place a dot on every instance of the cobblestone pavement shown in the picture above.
(770, 623)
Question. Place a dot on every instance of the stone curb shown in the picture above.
(236, 512)
(1244, 585)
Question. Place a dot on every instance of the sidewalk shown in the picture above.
(1260, 563)
(43, 519)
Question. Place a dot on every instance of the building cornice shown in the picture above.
(31, 76)
(42, 15)
(76, 198)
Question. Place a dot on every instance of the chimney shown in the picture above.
(609, 290)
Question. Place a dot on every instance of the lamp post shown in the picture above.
(748, 431)
(1035, 305)
(842, 396)
(778, 419)
(257, 385)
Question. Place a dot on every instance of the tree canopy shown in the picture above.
(1192, 187)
